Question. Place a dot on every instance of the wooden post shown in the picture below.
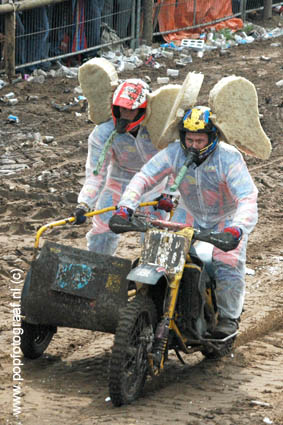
(10, 44)
(133, 25)
(243, 7)
(267, 11)
(138, 21)
(147, 21)
(26, 4)
(195, 12)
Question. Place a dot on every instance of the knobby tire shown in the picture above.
(129, 366)
(35, 339)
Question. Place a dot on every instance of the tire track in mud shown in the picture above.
(201, 392)
(70, 382)
(271, 322)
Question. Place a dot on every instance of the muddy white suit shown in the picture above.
(123, 160)
(217, 194)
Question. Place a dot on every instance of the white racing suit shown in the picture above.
(217, 194)
(124, 159)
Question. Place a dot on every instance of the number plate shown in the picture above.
(165, 249)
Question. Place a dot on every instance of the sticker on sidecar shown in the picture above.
(74, 276)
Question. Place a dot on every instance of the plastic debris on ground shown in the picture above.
(13, 119)
(40, 79)
(31, 98)
(172, 72)
(172, 45)
(78, 90)
(193, 44)
(9, 99)
(78, 104)
(162, 80)
(2, 84)
(249, 271)
(259, 403)
(268, 421)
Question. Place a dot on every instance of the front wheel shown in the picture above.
(35, 339)
(133, 341)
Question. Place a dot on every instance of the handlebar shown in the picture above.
(70, 220)
(222, 240)
(141, 223)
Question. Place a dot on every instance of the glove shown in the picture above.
(235, 231)
(123, 220)
(79, 213)
(124, 212)
(165, 202)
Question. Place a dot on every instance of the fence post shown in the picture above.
(133, 25)
(147, 22)
(243, 7)
(10, 44)
(195, 12)
(138, 21)
(267, 11)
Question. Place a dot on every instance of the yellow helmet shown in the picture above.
(197, 120)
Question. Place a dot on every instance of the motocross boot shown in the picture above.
(225, 327)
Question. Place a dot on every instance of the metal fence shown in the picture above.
(42, 31)
(193, 10)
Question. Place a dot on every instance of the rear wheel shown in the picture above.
(35, 339)
(133, 340)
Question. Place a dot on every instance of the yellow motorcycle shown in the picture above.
(173, 306)
(163, 301)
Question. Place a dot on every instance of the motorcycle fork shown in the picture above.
(157, 358)
(174, 327)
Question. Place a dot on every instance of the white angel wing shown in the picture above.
(186, 98)
(234, 105)
(98, 79)
(159, 106)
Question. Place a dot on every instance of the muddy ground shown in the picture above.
(68, 384)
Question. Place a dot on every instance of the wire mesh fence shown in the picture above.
(73, 30)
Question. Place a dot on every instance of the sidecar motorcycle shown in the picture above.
(172, 307)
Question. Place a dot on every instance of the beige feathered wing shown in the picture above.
(98, 79)
(159, 106)
(185, 99)
(234, 105)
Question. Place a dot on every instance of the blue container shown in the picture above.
(13, 118)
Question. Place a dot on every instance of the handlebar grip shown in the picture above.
(222, 240)
(118, 224)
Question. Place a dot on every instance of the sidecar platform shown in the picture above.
(70, 287)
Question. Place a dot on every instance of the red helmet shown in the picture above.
(132, 94)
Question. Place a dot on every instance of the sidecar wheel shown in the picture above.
(35, 339)
(222, 350)
(133, 338)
